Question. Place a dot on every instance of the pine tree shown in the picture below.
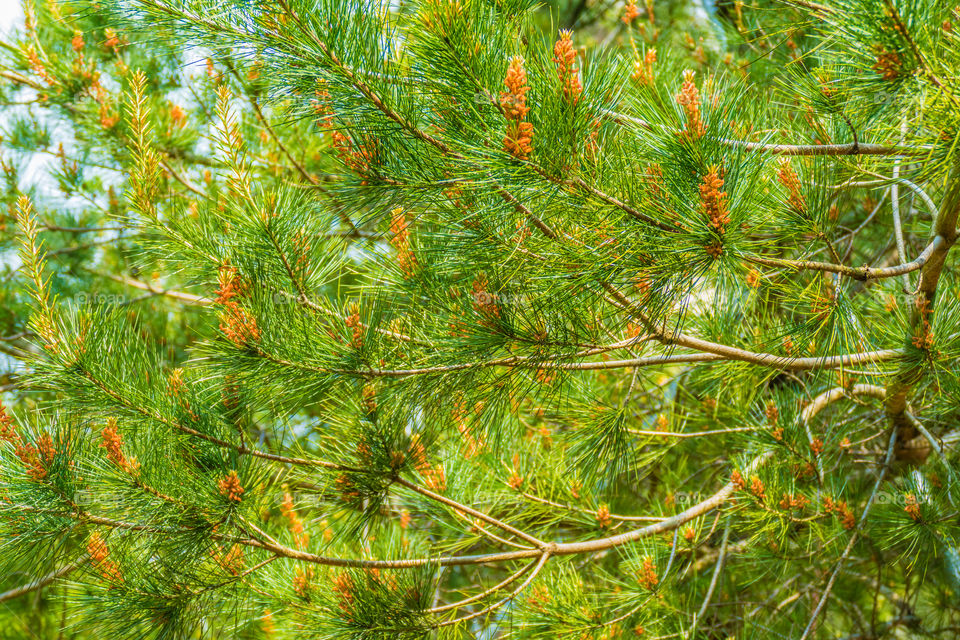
(498, 320)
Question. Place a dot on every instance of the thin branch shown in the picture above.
(925, 433)
(486, 592)
(853, 539)
(16, 336)
(188, 298)
(87, 245)
(639, 215)
(612, 516)
(691, 434)
(179, 178)
(715, 352)
(536, 570)
(713, 582)
(863, 273)
(723, 351)
(829, 397)
(473, 512)
(848, 149)
(895, 207)
(79, 230)
(883, 181)
(44, 581)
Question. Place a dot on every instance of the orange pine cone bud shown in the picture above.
(37, 66)
(514, 100)
(912, 507)
(113, 443)
(643, 69)
(816, 445)
(518, 140)
(789, 179)
(603, 516)
(565, 57)
(472, 445)
(737, 480)
(302, 580)
(229, 486)
(437, 479)
(100, 558)
(30, 457)
(343, 588)
(295, 524)
(112, 41)
(232, 561)
(239, 326)
(177, 114)
(484, 303)
(888, 65)
(400, 228)
(647, 577)
(8, 430)
(356, 326)
(266, 623)
(713, 200)
(689, 99)
(226, 279)
(772, 413)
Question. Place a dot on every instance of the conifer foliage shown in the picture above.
(481, 319)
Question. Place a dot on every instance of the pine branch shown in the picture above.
(822, 602)
(846, 149)
(473, 512)
(863, 273)
(44, 581)
(182, 296)
(717, 569)
(483, 594)
(544, 556)
(120, 400)
(722, 351)
(43, 321)
(945, 227)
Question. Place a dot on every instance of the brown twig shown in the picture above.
(39, 583)
(857, 273)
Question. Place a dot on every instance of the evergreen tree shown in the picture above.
(464, 324)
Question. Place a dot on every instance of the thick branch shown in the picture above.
(553, 549)
(945, 228)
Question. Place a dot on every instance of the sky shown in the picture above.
(10, 14)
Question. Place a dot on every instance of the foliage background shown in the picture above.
(322, 278)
